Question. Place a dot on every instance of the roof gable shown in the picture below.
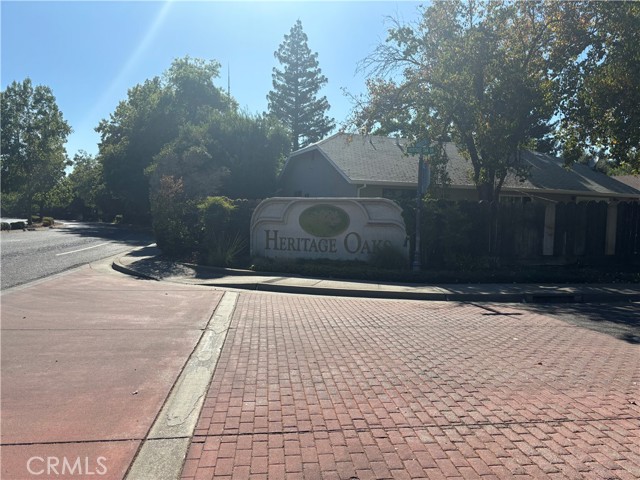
(370, 159)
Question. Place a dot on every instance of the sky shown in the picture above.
(91, 52)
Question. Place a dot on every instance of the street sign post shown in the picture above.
(421, 148)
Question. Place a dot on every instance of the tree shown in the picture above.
(231, 153)
(294, 98)
(478, 74)
(33, 135)
(150, 118)
(91, 198)
(600, 96)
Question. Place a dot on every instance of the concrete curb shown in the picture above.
(119, 267)
(163, 451)
(523, 296)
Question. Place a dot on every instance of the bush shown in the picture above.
(175, 220)
(224, 251)
(118, 219)
(389, 258)
(215, 214)
(219, 244)
(35, 219)
(18, 226)
(48, 222)
(6, 226)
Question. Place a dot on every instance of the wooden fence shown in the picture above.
(586, 232)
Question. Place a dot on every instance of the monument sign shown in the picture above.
(331, 228)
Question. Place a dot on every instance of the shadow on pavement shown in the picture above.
(158, 268)
(620, 320)
(107, 231)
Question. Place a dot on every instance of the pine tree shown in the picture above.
(293, 99)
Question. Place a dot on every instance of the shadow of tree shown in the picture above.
(107, 231)
(620, 320)
(160, 269)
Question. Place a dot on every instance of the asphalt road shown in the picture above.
(32, 255)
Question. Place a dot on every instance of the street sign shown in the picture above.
(423, 147)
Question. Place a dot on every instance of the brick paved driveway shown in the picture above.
(333, 388)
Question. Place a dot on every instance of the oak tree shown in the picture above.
(479, 74)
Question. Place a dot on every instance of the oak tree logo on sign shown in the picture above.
(324, 220)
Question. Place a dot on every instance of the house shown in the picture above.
(346, 165)
(631, 180)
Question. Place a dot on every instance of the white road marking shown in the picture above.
(81, 249)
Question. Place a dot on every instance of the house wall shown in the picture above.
(311, 175)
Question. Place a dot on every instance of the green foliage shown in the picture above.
(224, 251)
(599, 95)
(150, 119)
(33, 158)
(56, 200)
(389, 258)
(229, 153)
(294, 98)
(48, 222)
(5, 226)
(214, 231)
(221, 244)
(175, 219)
(215, 213)
(251, 149)
(475, 73)
(18, 226)
(91, 198)
(181, 125)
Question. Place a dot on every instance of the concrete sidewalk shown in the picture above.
(147, 263)
(89, 358)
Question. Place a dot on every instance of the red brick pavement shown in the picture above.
(334, 388)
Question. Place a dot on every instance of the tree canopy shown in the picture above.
(294, 98)
(472, 73)
(182, 126)
(600, 92)
(493, 77)
(33, 135)
(149, 119)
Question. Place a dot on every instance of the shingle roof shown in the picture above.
(631, 180)
(381, 160)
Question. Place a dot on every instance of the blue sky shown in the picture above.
(90, 53)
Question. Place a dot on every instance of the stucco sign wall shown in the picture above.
(332, 228)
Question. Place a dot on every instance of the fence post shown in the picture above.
(549, 229)
(612, 227)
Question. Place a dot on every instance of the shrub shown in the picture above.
(118, 219)
(390, 258)
(48, 222)
(220, 243)
(18, 226)
(224, 251)
(175, 220)
(35, 219)
(6, 226)
(215, 214)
